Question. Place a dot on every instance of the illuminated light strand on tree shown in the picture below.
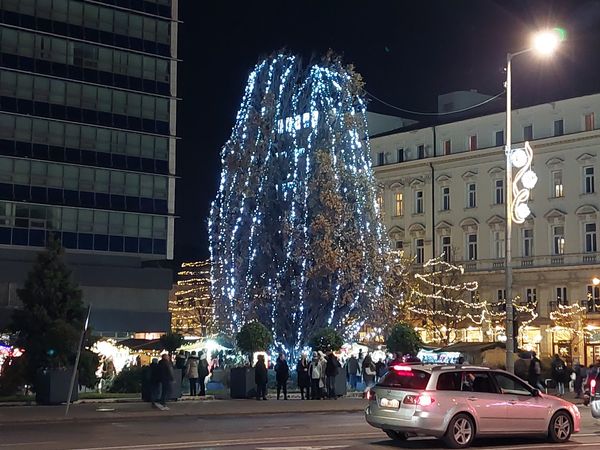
(264, 228)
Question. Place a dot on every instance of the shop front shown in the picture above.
(592, 343)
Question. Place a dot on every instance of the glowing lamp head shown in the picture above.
(596, 281)
(546, 42)
(529, 179)
(522, 211)
(518, 158)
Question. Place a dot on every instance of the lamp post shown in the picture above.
(517, 210)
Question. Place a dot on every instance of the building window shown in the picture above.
(400, 155)
(445, 198)
(558, 240)
(528, 242)
(588, 182)
(420, 250)
(498, 240)
(421, 151)
(531, 297)
(419, 209)
(471, 195)
(589, 122)
(528, 133)
(593, 299)
(473, 142)
(399, 245)
(559, 127)
(557, 183)
(499, 197)
(448, 147)
(590, 238)
(380, 159)
(446, 248)
(379, 201)
(499, 138)
(501, 295)
(471, 247)
(561, 296)
(399, 204)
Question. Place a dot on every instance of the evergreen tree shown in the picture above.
(295, 232)
(49, 324)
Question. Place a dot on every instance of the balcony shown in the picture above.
(531, 262)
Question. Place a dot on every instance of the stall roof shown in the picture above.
(472, 347)
(142, 344)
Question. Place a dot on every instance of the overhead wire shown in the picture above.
(421, 113)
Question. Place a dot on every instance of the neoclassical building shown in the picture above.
(442, 191)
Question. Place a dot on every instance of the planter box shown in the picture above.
(341, 388)
(52, 387)
(152, 392)
(242, 383)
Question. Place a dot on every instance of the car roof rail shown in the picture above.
(458, 366)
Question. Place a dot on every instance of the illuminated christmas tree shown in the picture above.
(192, 308)
(296, 240)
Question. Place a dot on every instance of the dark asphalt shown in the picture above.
(274, 432)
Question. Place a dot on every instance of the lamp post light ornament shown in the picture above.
(518, 190)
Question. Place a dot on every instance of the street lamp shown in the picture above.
(544, 43)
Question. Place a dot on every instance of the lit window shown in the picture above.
(589, 122)
(531, 297)
(593, 299)
(558, 240)
(557, 184)
(561, 296)
(399, 204)
(473, 142)
(498, 239)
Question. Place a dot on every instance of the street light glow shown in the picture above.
(596, 281)
(529, 179)
(546, 42)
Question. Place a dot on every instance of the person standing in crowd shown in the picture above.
(202, 374)
(580, 375)
(282, 373)
(352, 366)
(560, 374)
(261, 377)
(331, 370)
(535, 371)
(166, 377)
(368, 370)
(314, 369)
(302, 368)
(397, 360)
(191, 372)
(379, 369)
(180, 361)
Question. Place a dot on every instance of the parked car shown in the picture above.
(459, 403)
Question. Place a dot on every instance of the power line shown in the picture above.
(420, 113)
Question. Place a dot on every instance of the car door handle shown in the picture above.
(472, 398)
(512, 402)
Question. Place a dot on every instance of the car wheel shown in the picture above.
(460, 432)
(561, 427)
(396, 435)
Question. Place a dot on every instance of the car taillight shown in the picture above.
(593, 387)
(371, 395)
(421, 400)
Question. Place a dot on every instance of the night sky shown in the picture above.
(408, 53)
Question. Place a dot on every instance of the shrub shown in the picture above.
(253, 337)
(403, 339)
(128, 380)
(326, 339)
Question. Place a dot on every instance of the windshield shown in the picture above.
(405, 379)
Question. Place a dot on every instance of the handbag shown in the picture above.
(369, 371)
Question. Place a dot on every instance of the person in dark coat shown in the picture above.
(303, 376)
(261, 376)
(352, 366)
(180, 363)
(535, 371)
(166, 376)
(331, 371)
(560, 374)
(580, 375)
(368, 371)
(379, 369)
(282, 373)
(202, 374)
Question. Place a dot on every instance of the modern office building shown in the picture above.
(87, 150)
(442, 190)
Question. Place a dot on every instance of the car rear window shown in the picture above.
(406, 379)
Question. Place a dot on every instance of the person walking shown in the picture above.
(303, 376)
(379, 369)
(368, 370)
(282, 373)
(331, 371)
(314, 369)
(202, 374)
(191, 372)
(535, 371)
(261, 377)
(560, 374)
(580, 375)
(352, 367)
(166, 377)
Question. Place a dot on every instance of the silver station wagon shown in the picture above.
(459, 403)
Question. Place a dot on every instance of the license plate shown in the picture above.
(389, 403)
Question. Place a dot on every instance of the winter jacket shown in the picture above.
(165, 371)
(352, 365)
(203, 368)
(332, 366)
(191, 367)
(282, 371)
(261, 374)
(560, 372)
(303, 373)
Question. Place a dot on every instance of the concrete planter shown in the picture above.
(242, 383)
(52, 386)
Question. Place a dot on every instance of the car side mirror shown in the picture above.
(535, 393)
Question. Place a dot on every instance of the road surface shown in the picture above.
(306, 431)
